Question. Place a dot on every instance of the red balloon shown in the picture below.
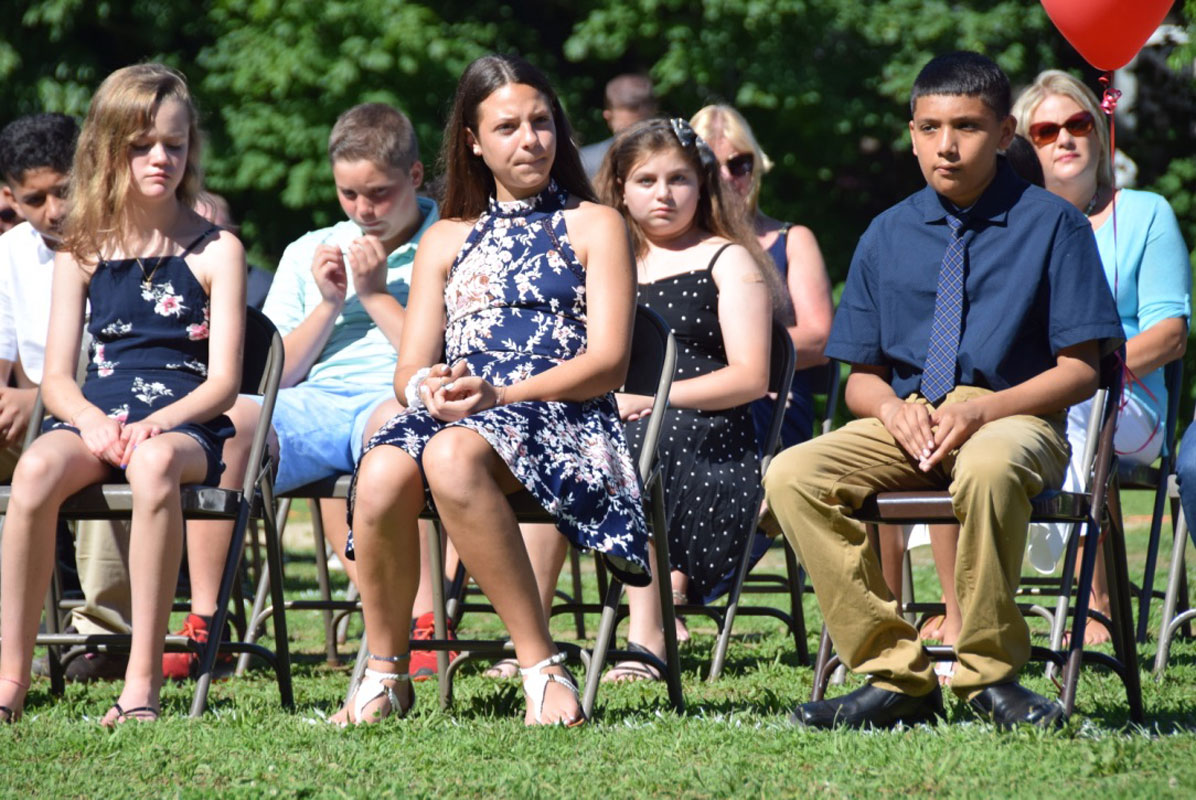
(1108, 33)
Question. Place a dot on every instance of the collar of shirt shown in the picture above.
(992, 206)
(430, 213)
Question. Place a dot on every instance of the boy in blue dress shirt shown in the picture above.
(975, 313)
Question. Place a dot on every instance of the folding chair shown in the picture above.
(653, 359)
(1088, 509)
(261, 373)
(334, 611)
(1174, 616)
(1148, 477)
(780, 378)
(793, 582)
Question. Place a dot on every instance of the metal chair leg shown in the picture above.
(607, 624)
(724, 634)
(820, 661)
(669, 616)
(317, 529)
(796, 578)
(1171, 600)
(1122, 615)
(440, 623)
(232, 569)
(1152, 554)
(579, 616)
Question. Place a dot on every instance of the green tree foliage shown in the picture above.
(823, 82)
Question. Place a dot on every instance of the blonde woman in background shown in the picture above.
(795, 253)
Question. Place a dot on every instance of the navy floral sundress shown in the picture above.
(515, 305)
(149, 345)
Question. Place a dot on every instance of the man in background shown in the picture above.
(629, 99)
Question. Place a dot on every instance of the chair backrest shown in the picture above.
(653, 361)
(1173, 374)
(781, 359)
(261, 373)
(825, 380)
(1107, 400)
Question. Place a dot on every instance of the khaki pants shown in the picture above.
(102, 558)
(811, 488)
(8, 462)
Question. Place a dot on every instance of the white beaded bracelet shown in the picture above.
(411, 393)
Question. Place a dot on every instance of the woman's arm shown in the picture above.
(1159, 344)
(422, 343)
(1164, 288)
(810, 290)
(744, 317)
(60, 391)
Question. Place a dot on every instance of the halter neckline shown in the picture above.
(551, 198)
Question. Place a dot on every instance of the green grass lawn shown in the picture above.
(732, 741)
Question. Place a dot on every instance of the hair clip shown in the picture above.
(689, 138)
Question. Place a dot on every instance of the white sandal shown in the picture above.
(372, 688)
(535, 685)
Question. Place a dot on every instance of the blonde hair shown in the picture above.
(121, 111)
(723, 122)
(1057, 82)
(715, 213)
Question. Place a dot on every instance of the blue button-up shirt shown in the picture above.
(1033, 285)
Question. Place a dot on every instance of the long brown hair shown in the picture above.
(718, 213)
(122, 109)
(468, 181)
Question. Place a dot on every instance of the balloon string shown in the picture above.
(1108, 104)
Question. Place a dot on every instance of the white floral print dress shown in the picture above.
(516, 306)
(149, 345)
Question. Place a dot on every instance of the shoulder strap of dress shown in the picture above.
(210, 230)
(717, 253)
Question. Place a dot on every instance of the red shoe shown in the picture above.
(181, 666)
(423, 662)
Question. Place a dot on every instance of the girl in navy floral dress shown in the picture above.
(526, 287)
(166, 291)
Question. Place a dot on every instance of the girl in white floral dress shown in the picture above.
(167, 292)
(526, 287)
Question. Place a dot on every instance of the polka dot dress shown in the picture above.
(710, 467)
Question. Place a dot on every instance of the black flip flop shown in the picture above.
(123, 716)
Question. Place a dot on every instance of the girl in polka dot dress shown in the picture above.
(702, 271)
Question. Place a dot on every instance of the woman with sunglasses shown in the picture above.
(1146, 263)
(794, 251)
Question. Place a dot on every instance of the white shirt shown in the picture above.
(26, 278)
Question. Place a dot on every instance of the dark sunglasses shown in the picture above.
(7, 214)
(1078, 124)
(741, 165)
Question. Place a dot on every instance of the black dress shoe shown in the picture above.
(1009, 704)
(870, 707)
